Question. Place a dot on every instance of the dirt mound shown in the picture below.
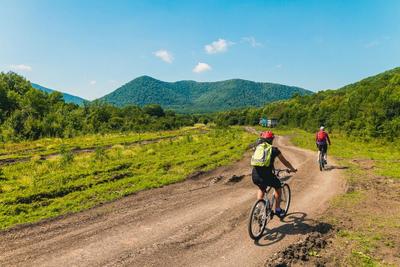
(302, 251)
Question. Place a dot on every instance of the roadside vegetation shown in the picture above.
(69, 182)
(49, 146)
(367, 216)
(368, 109)
(30, 114)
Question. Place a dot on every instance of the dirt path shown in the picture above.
(199, 222)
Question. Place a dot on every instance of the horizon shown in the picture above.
(88, 49)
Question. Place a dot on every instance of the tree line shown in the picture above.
(367, 109)
(27, 113)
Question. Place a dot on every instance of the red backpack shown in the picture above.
(321, 136)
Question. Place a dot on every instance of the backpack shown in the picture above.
(321, 136)
(262, 155)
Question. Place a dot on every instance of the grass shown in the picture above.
(38, 189)
(368, 215)
(48, 146)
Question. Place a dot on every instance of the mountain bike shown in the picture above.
(262, 211)
(321, 160)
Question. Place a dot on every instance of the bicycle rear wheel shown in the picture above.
(285, 198)
(321, 161)
(258, 219)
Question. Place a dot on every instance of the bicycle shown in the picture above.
(321, 160)
(262, 211)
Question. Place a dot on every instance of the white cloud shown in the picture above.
(252, 41)
(164, 55)
(21, 67)
(201, 67)
(279, 66)
(372, 44)
(93, 82)
(219, 46)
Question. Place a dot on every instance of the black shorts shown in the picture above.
(263, 180)
(323, 147)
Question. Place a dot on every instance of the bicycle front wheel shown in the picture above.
(285, 198)
(258, 219)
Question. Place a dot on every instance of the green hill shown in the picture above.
(191, 96)
(67, 97)
(368, 108)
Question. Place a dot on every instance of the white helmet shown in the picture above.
(322, 128)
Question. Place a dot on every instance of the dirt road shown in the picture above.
(199, 222)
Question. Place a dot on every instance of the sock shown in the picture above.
(278, 209)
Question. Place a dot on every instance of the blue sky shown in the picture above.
(89, 48)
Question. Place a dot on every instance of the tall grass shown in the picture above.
(46, 188)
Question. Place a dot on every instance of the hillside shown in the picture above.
(369, 108)
(191, 96)
(67, 97)
(28, 114)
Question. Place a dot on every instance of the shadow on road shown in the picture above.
(333, 167)
(294, 224)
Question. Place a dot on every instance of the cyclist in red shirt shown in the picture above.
(322, 140)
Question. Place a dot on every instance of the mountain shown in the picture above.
(191, 96)
(369, 108)
(67, 97)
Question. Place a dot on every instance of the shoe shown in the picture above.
(280, 213)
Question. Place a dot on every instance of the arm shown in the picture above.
(286, 163)
(329, 140)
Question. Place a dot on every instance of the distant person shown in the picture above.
(322, 140)
(263, 175)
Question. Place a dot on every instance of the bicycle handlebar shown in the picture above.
(278, 171)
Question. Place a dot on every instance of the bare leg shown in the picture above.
(260, 194)
(278, 198)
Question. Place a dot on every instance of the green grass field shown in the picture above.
(40, 189)
(48, 146)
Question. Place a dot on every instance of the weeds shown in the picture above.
(46, 188)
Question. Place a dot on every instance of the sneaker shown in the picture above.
(280, 213)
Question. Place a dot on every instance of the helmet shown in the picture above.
(322, 128)
(267, 135)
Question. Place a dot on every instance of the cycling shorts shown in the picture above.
(323, 147)
(263, 181)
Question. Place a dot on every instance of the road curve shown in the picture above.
(199, 222)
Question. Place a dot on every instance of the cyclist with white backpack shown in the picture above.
(263, 166)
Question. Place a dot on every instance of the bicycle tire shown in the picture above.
(286, 197)
(263, 207)
(321, 161)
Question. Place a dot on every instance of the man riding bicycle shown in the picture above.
(263, 176)
(322, 140)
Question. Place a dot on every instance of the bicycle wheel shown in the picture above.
(285, 198)
(321, 161)
(258, 219)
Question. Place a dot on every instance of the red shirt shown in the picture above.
(324, 139)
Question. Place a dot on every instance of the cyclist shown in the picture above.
(322, 140)
(263, 176)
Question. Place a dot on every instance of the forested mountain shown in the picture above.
(28, 113)
(369, 108)
(191, 96)
(67, 97)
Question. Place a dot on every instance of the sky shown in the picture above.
(89, 48)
